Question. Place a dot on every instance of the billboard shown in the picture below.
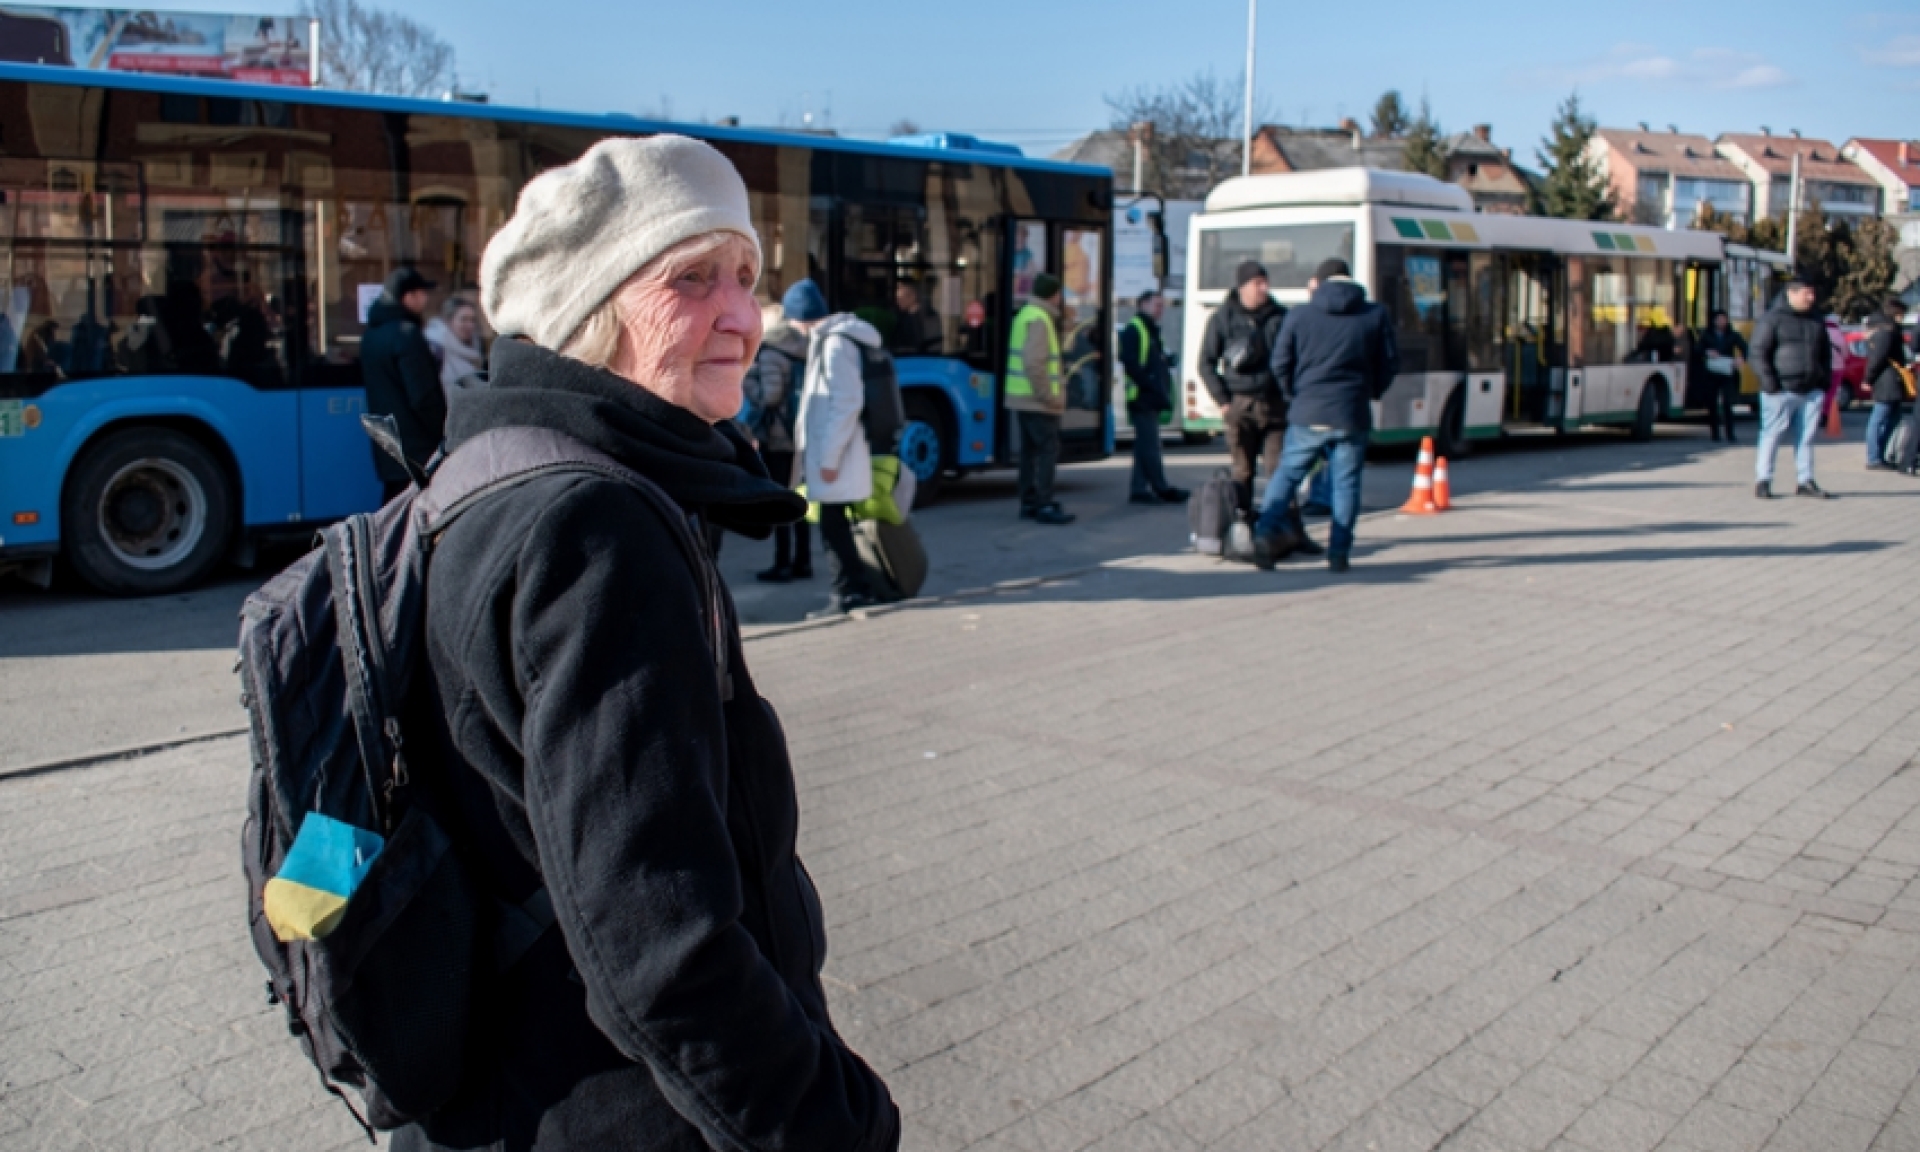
(257, 49)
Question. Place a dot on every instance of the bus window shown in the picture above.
(1485, 310)
(109, 270)
(1083, 342)
(1653, 312)
(1413, 289)
(1289, 252)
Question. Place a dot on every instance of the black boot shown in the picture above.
(1303, 543)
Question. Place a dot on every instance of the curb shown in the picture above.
(128, 752)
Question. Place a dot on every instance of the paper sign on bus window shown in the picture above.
(368, 295)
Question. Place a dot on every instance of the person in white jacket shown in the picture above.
(454, 336)
(830, 439)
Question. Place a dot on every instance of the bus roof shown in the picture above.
(612, 122)
(1338, 186)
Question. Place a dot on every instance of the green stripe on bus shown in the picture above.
(1408, 229)
(1436, 230)
(1605, 240)
(1625, 242)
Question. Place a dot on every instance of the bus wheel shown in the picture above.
(1450, 438)
(146, 511)
(1648, 413)
(926, 446)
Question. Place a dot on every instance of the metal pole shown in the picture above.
(313, 53)
(1246, 135)
(1793, 209)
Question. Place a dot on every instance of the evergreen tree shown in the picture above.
(1390, 116)
(1868, 268)
(1574, 187)
(1425, 150)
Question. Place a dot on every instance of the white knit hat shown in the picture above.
(579, 232)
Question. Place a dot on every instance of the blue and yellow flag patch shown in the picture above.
(327, 862)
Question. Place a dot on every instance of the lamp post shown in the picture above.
(1246, 134)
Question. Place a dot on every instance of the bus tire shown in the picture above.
(1648, 414)
(146, 511)
(1450, 437)
(927, 446)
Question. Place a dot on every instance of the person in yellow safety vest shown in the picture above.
(1149, 394)
(1037, 395)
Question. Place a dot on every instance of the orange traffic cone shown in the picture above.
(1420, 503)
(1833, 415)
(1442, 493)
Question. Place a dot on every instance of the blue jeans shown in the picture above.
(1346, 455)
(1777, 411)
(1149, 468)
(1880, 424)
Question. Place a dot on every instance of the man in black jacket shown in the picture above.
(1886, 348)
(402, 378)
(1233, 364)
(1794, 360)
(1149, 394)
(1336, 355)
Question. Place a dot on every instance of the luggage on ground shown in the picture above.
(1897, 443)
(895, 560)
(1212, 513)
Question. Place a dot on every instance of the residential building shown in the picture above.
(1895, 164)
(1664, 178)
(1841, 189)
(1488, 172)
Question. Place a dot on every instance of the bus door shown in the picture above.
(1077, 254)
(1528, 338)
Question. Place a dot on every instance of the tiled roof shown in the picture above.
(1887, 152)
(1675, 153)
(1819, 160)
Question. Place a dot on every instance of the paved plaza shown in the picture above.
(1585, 818)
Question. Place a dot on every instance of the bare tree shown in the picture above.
(1390, 117)
(904, 127)
(368, 49)
(1195, 142)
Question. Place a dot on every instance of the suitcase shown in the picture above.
(1897, 443)
(894, 558)
(1212, 514)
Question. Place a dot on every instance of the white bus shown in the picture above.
(1503, 322)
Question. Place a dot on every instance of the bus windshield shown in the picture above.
(1289, 252)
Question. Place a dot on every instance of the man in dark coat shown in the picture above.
(401, 375)
(1794, 360)
(1149, 394)
(1336, 355)
(1719, 354)
(1243, 330)
(1886, 348)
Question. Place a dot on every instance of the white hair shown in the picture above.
(597, 340)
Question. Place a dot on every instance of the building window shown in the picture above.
(1728, 197)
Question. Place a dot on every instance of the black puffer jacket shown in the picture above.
(1232, 325)
(1791, 352)
(403, 381)
(679, 1005)
(1886, 346)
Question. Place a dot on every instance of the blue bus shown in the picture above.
(188, 267)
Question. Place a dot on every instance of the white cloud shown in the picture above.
(1899, 52)
(1644, 64)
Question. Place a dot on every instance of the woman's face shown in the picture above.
(464, 324)
(690, 328)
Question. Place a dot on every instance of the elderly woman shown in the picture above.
(590, 748)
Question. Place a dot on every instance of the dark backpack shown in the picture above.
(330, 652)
(884, 416)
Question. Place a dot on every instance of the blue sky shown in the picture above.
(1035, 73)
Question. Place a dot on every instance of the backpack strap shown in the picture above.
(504, 458)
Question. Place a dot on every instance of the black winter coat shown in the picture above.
(1336, 355)
(678, 1007)
(1791, 352)
(1230, 324)
(403, 381)
(1148, 373)
(1886, 346)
